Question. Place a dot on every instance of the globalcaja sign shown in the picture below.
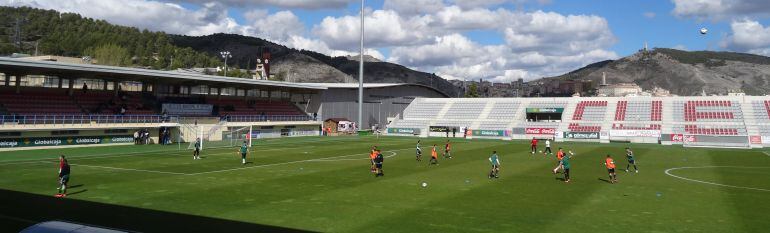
(545, 110)
(548, 131)
(403, 131)
(63, 141)
(581, 135)
(490, 133)
(635, 133)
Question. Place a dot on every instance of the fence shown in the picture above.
(267, 118)
(85, 119)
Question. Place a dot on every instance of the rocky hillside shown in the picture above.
(308, 66)
(682, 72)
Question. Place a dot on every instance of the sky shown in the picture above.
(495, 40)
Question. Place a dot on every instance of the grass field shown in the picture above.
(324, 184)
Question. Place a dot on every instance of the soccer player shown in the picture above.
(64, 176)
(566, 166)
(547, 147)
(244, 150)
(559, 156)
(433, 156)
(448, 150)
(378, 159)
(197, 152)
(631, 160)
(419, 151)
(610, 163)
(372, 156)
(533, 146)
(495, 160)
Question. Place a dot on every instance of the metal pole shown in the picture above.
(361, 72)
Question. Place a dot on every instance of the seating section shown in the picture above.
(503, 111)
(463, 110)
(423, 109)
(239, 106)
(639, 110)
(93, 102)
(575, 127)
(708, 111)
(590, 110)
(761, 109)
(636, 126)
(711, 129)
(39, 102)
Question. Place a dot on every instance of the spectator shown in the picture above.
(85, 87)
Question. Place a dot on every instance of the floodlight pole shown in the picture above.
(361, 72)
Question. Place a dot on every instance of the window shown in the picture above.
(200, 90)
(185, 90)
(93, 84)
(130, 86)
(253, 92)
(265, 94)
(240, 92)
(51, 82)
(228, 91)
(32, 81)
(2, 79)
(213, 91)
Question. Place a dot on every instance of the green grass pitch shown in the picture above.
(324, 184)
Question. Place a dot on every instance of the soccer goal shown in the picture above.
(229, 137)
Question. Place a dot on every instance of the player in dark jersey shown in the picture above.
(631, 160)
(448, 150)
(378, 159)
(243, 151)
(64, 176)
(419, 151)
(197, 152)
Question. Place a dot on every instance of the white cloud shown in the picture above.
(276, 27)
(649, 15)
(153, 15)
(748, 36)
(383, 28)
(300, 4)
(413, 7)
(720, 9)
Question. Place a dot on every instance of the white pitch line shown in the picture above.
(765, 152)
(668, 172)
(284, 163)
(392, 154)
(127, 169)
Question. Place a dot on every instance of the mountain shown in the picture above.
(308, 66)
(681, 72)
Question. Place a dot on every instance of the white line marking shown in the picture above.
(765, 152)
(127, 169)
(392, 154)
(284, 163)
(668, 172)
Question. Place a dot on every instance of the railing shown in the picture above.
(267, 118)
(85, 119)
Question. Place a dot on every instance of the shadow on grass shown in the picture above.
(20, 210)
(605, 180)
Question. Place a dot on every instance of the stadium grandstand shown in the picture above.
(54, 104)
(713, 121)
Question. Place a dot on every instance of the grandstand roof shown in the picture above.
(28, 67)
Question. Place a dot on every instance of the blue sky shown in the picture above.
(498, 40)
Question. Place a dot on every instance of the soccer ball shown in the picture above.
(703, 31)
(541, 151)
(424, 184)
